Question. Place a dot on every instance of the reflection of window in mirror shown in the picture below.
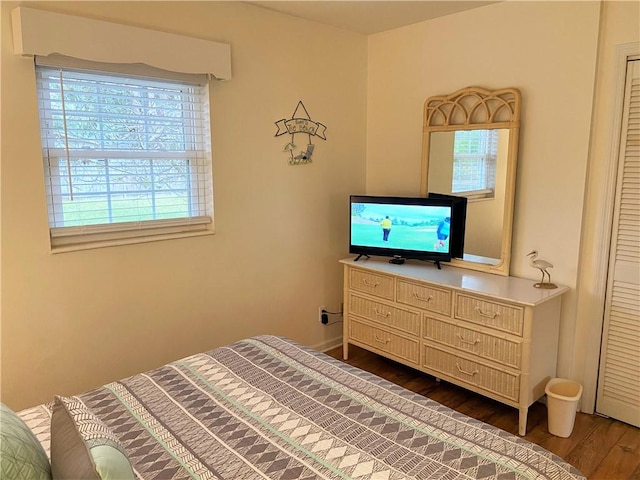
(474, 163)
(485, 210)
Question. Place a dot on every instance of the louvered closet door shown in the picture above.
(619, 379)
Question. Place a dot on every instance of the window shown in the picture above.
(124, 156)
(474, 163)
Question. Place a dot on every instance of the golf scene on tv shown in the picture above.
(405, 227)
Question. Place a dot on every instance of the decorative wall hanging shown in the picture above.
(303, 125)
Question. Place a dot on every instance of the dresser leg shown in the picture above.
(345, 350)
(522, 421)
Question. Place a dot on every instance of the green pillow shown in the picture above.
(21, 455)
(82, 446)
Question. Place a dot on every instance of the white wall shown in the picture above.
(547, 50)
(73, 321)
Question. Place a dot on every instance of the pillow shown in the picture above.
(82, 446)
(21, 455)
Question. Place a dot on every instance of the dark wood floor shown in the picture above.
(600, 447)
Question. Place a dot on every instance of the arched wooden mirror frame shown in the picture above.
(475, 108)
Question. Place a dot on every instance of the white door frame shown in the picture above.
(591, 291)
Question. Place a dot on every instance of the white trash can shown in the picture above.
(562, 402)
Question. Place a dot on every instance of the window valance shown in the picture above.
(42, 33)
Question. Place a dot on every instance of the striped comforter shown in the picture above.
(269, 408)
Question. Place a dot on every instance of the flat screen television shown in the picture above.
(401, 227)
(458, 222)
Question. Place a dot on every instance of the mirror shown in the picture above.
(473, 164)
(470, 145)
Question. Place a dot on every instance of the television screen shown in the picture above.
(458, 222)
(400, 226)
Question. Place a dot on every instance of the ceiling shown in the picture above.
(368, 17)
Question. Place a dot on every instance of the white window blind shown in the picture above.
(123, 153)
(474, 162)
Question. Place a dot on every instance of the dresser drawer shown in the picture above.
(478, 343)
(491, 314)
(424, 297)
(485, 377)
(385, 341)
(384, 314)
(371, 283)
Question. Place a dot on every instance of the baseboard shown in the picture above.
(328, 344)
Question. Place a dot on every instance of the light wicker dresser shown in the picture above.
(495, 335)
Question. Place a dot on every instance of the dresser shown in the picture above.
(494, 335)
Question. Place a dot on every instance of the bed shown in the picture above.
(267, 407)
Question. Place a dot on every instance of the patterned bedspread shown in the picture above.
(269, 408)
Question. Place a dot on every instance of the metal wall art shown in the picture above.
(300, 122)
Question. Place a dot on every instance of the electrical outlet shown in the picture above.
(321, 308)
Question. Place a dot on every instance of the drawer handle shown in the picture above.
(468, 342)
(370, 284)
(462, 370)
(381, 314)
(487, 314)
(380, 340)
(424, 299)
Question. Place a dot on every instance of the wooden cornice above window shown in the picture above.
(42, 33)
